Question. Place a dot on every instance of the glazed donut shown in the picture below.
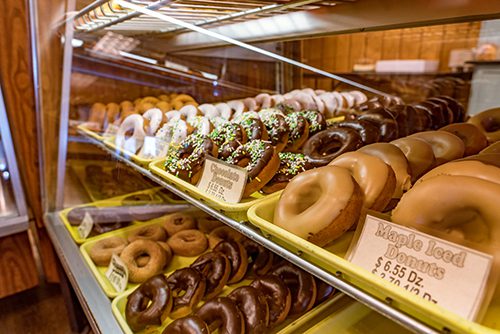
(126, 108)
(135, 123)
(305, 207)
(276, 99)
(418, 153)
(201, 125)
(188, 288)
(276, 126)
(209, 111)
(189, 111)
(138, 248)
(224, 110)
(223, 315)
(102, 251)
(340, 102)
(376, 179)
(188, 160)
(330, 104)
(149, 304)
(326, 145)
(446, 146)
(359, 97)
(278, 297)
(97, 117)
(474, 140)
(155, 118)
(253, 126)
(261, 162)
(253, 305)
(215, 267)
(263, 101)
(163, 106)
(368, 132)
(261, 259)
(350, 101)
(238, 258)
(188, 243)
(187, 325)
(250, 104)
(302, 287)
(492, 149)
(223, 233)
(174, 131)
(299, 131)
(238, 108)
(177, 222)
(323, 291)
(150, 232)
(473, 168)
(291, 164)
(475, 199)
(208, 224)
(112, 112)
(180, 100)
(395, 158)
(228, 137)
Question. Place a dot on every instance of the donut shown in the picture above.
(223, 315)
(188, 243)
(149, 304)
(291, 164)
(474, 140)
(155, 118)
(215, 267)
(438, 117)
(418, 153)
(253, 305)
(97, 117)
(207, 224)
(395, 158)
(188, 160)
(250, 104)
(277, 128)
(188, 288)
(446, 146)
(180, 100)
(201, 125)
(134, 123)
(228, 137)
(177, 222)
(209, 111)
(384, 121)
(263, 101)
(260, 258)
(252, 125)
(238, 108)
(224, 110)
(306, 209)
(416, 120)
(488, 122)
(102, 251)
(112, 112)
(473, 168)
(299, 131)
(368, 132)
(330, 104)
(238, 259)
(323, 291)
(138, 248)
(449, 116)
(163, 106)
(326, 145)
(189, 112)
(376, 179)
(144, 259)
(278, 297)
(492, 149)
(150, 232)
(315, 120)
(261, 162)
(187, 325)
(475, 199)
(302, 287)
(223, 233)
(174, 131)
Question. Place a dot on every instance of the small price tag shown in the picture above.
(222, 180)
(111, 131)
(117, 273)
(442, 272)
(153, 148)
(85, 226)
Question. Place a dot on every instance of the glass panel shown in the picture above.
(8, 206)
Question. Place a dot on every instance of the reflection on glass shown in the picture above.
(7, 205)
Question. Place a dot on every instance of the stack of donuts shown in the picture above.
(272, 290)
(378, 175)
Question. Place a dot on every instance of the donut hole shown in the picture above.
(490, 124)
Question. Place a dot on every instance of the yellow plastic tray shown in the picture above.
(100, 272)
(331, 259)
(110, 142)
(287, 327)
(92, 134)
(237, 211)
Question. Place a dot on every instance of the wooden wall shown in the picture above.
(339, 53)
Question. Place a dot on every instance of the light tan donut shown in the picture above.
(137, 249)
(134, 122)
(164, 106)
(102, 251)
(164, 97)
(112, 112)
(307, 210)
(180, 100)
(463, 206)
(151, 232)
(395, 158)
(96, 117)
(144, 106)
(150, 99)
(488, 121)
(263, 101)
(177, 222)
(472, 168)
(418, 153)
(250, 104)
(445, 145)
(375, 177)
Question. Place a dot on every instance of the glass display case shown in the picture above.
(167, 105)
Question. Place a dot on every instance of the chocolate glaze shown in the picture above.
(237, 256)
(261, 257)
(191, 282)
(187, 325)
(221, 313)
(253, 305)
(215, 267)
(387, 125)
(369, 132)
(277, 294)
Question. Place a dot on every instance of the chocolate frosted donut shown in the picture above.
(278, 297)
(238, 258)
(149, 304)
(216, 268)
(316, 120)
(228, 137)
(222, 314)
(299, 131)
(326, 145)
(291, 164)
(323, 291)
(187, 325)
(253, 126)
(276, 126)
(253, 305)
(417, 120)
(369, 132)
(261, 259)
(385, 122)
(457, 109)
(188, 288)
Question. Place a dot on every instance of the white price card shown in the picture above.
(448, 274)
(117, 273)
(153, 148)
(110, 131)
(222, 180)
(85, 226)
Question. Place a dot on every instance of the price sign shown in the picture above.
(442, 272)
(117, 273)
(153, 148)
(223, 181)
(85, 226)
(111, 131)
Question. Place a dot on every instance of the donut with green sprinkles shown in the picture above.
(317, 121)
(277, 127)
(253, 126)
(228, 137)
(299, 131)
(291, 164)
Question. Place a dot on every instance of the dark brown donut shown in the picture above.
(449, 116)
(326, 145)
(222, 314)
(238, 258)
(215, 267)
(316, 120)
(278, 297)
(149, 304)
(262, 259)
(253, 305)
(385, 122)
(276, 126)
(369, 132)
(400, 115)
(188, 288)
(417, 120)
(301, 284)
(435, 113)
(457, 109)
(223, 233)
(299, 131)
(323, 291)
(228, 138)
(253, 126)
(187, 325)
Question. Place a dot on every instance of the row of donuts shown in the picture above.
(374, 177)
(278, 290)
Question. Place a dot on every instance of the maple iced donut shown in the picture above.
(492, 149)
(418, 153)
(306, 209)
(445, 145)
(473, 138)
(473, 168)
(488, 121)
(375, 177)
